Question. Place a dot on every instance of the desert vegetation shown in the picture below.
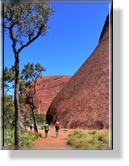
(26, 137)
(89, 139)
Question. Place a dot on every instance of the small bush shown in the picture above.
(8, 137)
(27, 138)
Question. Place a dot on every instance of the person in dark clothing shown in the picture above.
(31, 126)
(57, 128)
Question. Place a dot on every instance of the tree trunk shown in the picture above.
(34, 119)
(16, 103)
(33, 106)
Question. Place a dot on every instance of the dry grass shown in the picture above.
(89, 139)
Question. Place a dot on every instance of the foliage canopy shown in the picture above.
(25, 22)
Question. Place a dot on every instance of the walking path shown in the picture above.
(51, 142)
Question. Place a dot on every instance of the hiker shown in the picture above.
(46, 128)
(57, 128)
(31, 126)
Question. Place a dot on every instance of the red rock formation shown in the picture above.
(46, 89)
(84, 100)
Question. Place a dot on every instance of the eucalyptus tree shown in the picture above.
(30, 74)
(24, 23)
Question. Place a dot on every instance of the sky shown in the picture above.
(73, 35)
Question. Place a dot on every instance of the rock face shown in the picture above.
(46, 89)
(84, 100)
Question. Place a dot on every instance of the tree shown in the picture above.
(8, 96)
(24, 23)
(30, 74)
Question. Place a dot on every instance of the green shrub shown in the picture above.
(8, 137)
(26, 138)
(87, 139)
(9, 118)
(41, 118)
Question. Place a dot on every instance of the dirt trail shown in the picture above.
(51, 142)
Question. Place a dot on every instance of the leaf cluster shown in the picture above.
(32, 71)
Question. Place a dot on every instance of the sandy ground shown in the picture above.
(51, 142)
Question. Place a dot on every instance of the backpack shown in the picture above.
(46, 126)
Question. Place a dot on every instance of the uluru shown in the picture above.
(84, 100)
(47, 88)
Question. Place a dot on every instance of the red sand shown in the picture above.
(51, 142)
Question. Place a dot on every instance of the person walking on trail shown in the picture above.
(31, 126)
(57, 128)
(46, 128)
